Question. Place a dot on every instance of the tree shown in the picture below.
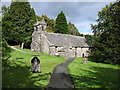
(5, 49)
(72, 29)
(89, 38)
(50, 23)
(4, 9)
(107, 35)
(61, 24)
(18, 22)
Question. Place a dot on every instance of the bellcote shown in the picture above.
(40, 25)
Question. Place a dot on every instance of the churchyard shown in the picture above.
(94, 75)
(17, 72)
(65, 38)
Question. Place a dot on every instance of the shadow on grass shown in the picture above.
(100, 78)
(18, 76)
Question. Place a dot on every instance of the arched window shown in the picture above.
(75, 51)
(42, 28)
(56, 48)
(83, 55)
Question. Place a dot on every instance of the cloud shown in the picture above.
(75, 11)
(82, 14)
(85, 27)
(64, 0)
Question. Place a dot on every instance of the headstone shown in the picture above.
(85, 61)
(35, 65)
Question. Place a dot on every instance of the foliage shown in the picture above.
(38, 18)
(94, 75)
(18, 22)
(17, 74)
(5, 49)
(72, 29)
(4, 9)
(51, 26)
(61, 24)
(50, 23)
(107, 35)
(89, 38)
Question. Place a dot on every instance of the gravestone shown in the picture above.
(85, 61)
(35, 65)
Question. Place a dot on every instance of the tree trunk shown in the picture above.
(22, 45)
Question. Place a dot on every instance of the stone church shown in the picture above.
(57, 44)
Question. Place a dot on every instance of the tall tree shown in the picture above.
(50, 23)
(107, 35)
(61, 24)
(72, 29)
(4, 9)
(18, 22)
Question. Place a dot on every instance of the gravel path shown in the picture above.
(60, 77)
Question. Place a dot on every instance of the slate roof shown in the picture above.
(66, 40)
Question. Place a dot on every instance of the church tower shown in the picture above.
(38, 36)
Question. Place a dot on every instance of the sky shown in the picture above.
(82, 14)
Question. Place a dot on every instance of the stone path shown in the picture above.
(20, 50)
(60, 77)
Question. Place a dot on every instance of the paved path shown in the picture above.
(60, 77)
(20, 50)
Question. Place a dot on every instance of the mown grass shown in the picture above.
(94, 75)
(17, 70)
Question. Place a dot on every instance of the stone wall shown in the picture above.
(70, 52)
(52, 50)
(35, 46)
(45, 48)
(78, 52)
(84, 50)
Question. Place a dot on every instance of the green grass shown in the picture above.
(94, 75)
(17, 70)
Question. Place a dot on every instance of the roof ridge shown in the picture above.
(66, 35)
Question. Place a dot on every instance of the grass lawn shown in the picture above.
(17, 70)
(94, 75)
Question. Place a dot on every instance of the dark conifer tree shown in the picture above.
(18, 22)
(61, 24)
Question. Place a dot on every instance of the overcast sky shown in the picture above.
(82, 14)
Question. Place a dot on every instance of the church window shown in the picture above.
(42, 28)
(56, 46)
(83, 55)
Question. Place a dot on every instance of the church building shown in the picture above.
(57, 44)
